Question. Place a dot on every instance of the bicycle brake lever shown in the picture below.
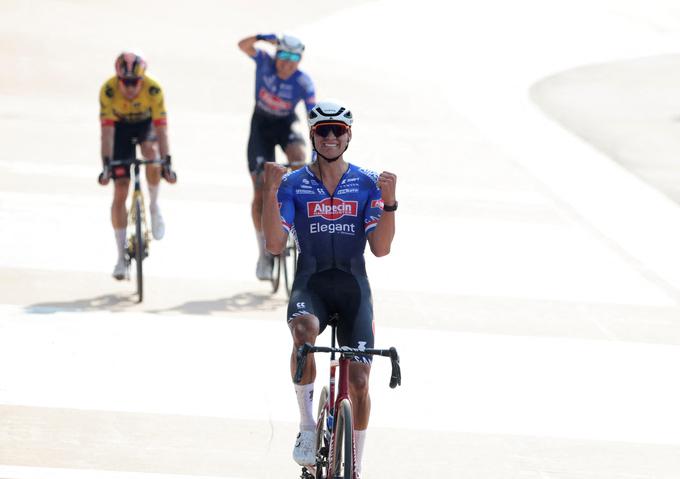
(301, 360)
(395, 379)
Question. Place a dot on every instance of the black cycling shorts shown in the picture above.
(126, 137)
(266, 132)
(336, 294)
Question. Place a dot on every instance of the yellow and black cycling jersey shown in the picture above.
(114, 107)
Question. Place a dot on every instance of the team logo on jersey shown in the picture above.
(377, 204)
(331, 211)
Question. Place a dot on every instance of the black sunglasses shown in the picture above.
(324, 130)
(130, 81)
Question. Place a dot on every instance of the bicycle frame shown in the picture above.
(138, 230)
(335, 400)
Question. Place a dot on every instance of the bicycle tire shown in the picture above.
(276, 273)
(289, 264)
(321, 443)
(343, 456)
(139, 250)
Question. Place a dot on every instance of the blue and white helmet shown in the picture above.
(328, 111)
(288, 43)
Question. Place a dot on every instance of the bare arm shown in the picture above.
(380, 239)
(107, 141)
(274, 236)
(162, 135)
(247, 45)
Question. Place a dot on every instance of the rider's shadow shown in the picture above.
(240, 302)
(107, 302)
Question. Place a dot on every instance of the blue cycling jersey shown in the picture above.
(330, 230)
(278, 97)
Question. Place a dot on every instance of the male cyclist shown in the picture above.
(279, 87)
(132, 112)
(333, 207)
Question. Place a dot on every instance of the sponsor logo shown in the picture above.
(305, 181)
(109, 91)
(377, 204)
(350, 180)
(306, 187)
(154, 90)
(272, 101)
(332, 228)
(304, 192)
(331, 210)
(346, 190)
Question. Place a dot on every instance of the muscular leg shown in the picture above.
(361, 406)
(256, 207)
(304, 329)
(119, 220)
(295, 154)
(153, 172)
(118, 210)
(358, 393)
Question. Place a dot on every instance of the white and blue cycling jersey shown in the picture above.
(330, 229)
(278, 97)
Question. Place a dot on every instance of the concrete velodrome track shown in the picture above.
(533, 289)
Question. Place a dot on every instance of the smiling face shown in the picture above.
(331, 139)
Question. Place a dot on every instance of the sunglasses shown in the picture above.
(288, 56)
(130, 81)
(325, 129)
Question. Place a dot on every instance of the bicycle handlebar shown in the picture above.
(305, 349)
(136, 161)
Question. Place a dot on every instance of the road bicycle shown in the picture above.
(334, 444)
(138, 237)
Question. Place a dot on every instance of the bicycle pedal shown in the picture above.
(308, 473)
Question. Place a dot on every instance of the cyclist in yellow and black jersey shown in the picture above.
(132, 112)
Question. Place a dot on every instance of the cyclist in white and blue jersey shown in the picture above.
(333, 208)
(279, 87)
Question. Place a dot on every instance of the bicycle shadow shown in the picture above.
(237, 303)
(107, 302)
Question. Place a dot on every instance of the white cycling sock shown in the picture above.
(153, 197)
(121, 239)
(305, 399)
(359, 438)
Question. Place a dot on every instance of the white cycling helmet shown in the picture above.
(329, 111)
(288, 43)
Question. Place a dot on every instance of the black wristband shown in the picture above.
(391, 207)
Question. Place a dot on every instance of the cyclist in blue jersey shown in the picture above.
(279, 87)
(333, 207)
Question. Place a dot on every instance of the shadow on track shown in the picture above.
(107, 302)
(239, 302)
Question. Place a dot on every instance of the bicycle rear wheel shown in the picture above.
(139, 249)
(276, 273)
(343, 442)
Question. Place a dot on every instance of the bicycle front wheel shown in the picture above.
(343, 442)
(139, 249)
(322, 436)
